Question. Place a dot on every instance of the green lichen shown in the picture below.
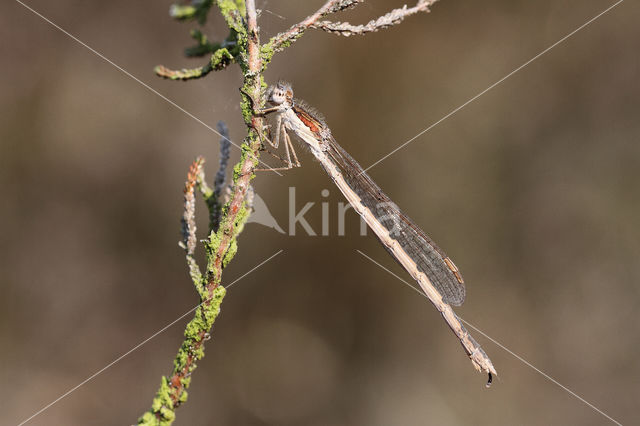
(268, 50)
(182, 398)
(246, 155)
(160, 413)
(221, 58)
(233, 11)
(246, 108)
(182, 11)
(241, 219)
(212, 244)
(237, 171)
(231, 252)
(191, 350)
(181, 358)
(195, 326)
(147, 419)
(188, 12)
(184, 73)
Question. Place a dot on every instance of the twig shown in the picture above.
(229, 210)
(388, 20)
(220, 59)
(284, 39)
(189, 239)
(221, 245)
(188, 217)
(203, 187)
(184, 73)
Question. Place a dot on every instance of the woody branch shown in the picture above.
(228, 212)
(394, 17)
(221, 245)
(387, 20)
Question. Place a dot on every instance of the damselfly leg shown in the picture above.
(287, 140)
(281, 131)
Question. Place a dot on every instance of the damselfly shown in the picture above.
(436, 274)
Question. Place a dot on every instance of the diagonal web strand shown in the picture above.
(133, 77)
(493, 85)
(138, 346)
(518, 357)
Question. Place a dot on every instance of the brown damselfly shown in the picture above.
(436, 274)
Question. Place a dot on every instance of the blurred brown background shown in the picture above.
(533, 190)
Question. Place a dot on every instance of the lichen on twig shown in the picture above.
(229, 209)
(387, 20)
(194, 9)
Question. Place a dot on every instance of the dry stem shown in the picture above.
(390, 19)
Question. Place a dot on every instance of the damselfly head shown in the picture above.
(279, 94)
